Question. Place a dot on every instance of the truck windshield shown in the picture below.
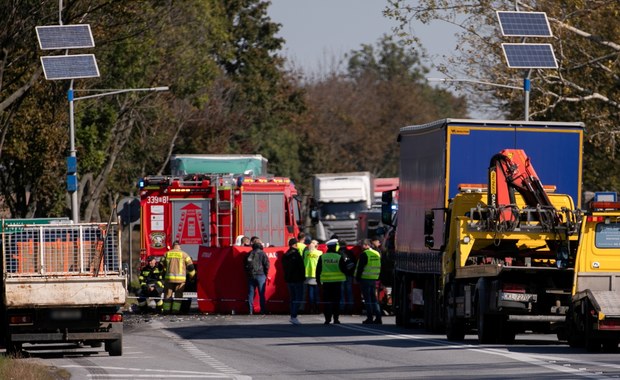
(341, 211)
(607, 235)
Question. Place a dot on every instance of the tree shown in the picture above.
(354, 118)
(583, 88)
(215, 56)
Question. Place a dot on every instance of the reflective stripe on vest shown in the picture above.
(373, 266)
(330, 272)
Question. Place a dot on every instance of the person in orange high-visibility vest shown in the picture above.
(367, 273)
(177, 266)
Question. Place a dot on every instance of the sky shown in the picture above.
(318, 32)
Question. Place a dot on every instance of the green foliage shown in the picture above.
(229, 93)
(584, 88)
(354, 118)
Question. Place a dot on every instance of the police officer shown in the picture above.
(330, 275)
(177, 266)
(367, 273)
(151, 284)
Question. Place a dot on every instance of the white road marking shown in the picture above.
(198, 354)
(537, 360)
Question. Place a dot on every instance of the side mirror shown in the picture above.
(429, 221)
(386, 208)
(429, 241)
(314, 216)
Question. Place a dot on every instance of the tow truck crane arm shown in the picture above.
(510, 170)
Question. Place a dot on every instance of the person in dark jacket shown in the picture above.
(151, 285)
(346, 300)
(257, 270)
(294, 275)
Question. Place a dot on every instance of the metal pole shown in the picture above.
(526, 90)
(75, 206)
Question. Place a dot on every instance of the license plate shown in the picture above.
(518, 297)
(66, 315)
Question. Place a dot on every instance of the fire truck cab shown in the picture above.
(213, 210)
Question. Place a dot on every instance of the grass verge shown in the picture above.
(16, 368)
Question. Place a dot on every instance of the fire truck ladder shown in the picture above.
(224, 205)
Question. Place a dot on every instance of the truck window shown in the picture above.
(607, 235)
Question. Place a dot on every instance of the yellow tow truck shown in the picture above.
(593, 319)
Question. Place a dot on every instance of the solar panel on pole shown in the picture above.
(530, 56)
(70, 66)
(524, 24)
(53, 37)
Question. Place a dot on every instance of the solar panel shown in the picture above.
(70, 66)
(529, 56)
(65, 37)
(524, 24)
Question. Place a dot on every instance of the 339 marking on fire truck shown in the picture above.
(153, 199)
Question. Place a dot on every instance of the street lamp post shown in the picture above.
(72, 160)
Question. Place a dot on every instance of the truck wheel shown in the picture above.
(455, 327)
(610, 346)
(114, 347)
(507, 332)
(575, 328)
(486, 329)
(486, 323)
(592, 344)
(402, 311)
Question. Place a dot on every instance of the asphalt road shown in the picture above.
(261, 347)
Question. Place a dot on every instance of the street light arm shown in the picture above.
(448, 80)
(121, 91)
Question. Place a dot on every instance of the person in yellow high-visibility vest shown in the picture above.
(177, 266)
(367, 273)
(330, 274)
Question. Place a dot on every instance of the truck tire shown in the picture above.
(455, 327)
(507, 331)
(575, 328)
(114, 347)
(402, 310)
(433, 307)
(610, 346)
(486, 323)
(486, 329)
(592, 344)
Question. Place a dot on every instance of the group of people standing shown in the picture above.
(307, 270)
(333, 271)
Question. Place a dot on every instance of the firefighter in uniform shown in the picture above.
(367, 273)
(330, 273)
(177, 266)
(151, 285)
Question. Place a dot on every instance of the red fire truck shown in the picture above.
(206, 213)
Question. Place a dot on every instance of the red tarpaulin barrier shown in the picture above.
(222, 285)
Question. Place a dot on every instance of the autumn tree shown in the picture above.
(586, 43)
(354, 117)
(228, 94)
